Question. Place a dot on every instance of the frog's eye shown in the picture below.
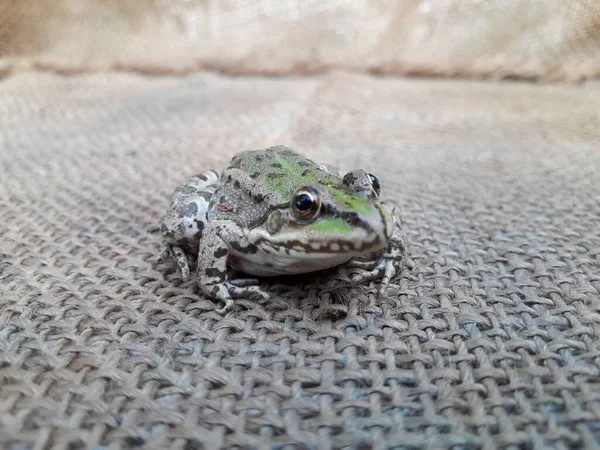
(305, 203)
(375, 184)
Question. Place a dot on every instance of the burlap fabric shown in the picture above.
(489, 337)
(533, 39)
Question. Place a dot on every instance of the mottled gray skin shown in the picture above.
(247, 218)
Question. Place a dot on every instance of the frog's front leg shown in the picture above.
(212, 264)
(387, 264)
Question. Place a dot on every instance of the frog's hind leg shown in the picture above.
(185, 220)
(211, 270)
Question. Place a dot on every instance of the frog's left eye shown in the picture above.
(375, 184)
(305, 203)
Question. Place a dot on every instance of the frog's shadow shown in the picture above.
(326, 293)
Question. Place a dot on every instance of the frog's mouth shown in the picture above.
(321, 246)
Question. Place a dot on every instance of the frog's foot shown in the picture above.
(212, 269)
(177, 254)
(384, 267)
(228, 290)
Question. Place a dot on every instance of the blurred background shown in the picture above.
(555, 40)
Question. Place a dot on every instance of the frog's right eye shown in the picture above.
(375, 183)
(305, 203)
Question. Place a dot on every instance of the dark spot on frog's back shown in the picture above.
(276, 175)
(305, 172)
(219, 253)
(254, 175)
(276, 165)
(236, 183)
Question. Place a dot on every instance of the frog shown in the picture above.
(275, 212)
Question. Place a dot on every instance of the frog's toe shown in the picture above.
(227, 307)
(365, 275)
(219, 291)
(242, 291)
(227, 290)
(385, 269)
(185, 272)
(163, 254)
(389, 271)
(176, 254)
(180, 259)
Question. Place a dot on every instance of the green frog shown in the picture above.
(275, 212)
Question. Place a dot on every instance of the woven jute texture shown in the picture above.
(532, 39)
(489, 337)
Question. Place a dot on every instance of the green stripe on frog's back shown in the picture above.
(353, 203)
(284, 171)
(313, 175)
(299, 172)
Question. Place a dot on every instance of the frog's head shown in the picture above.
(338, 217)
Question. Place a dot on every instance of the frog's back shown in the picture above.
(281, 171)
